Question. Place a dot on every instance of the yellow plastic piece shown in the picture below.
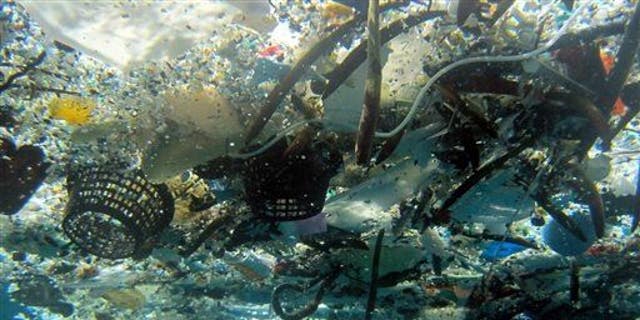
(73, 110)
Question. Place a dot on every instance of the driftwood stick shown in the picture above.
(589, 193)
(372, 87)
(574, 282)
(375, 265)
(636, 207)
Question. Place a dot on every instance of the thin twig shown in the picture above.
(47, 72)
(375, 265)
(47, 89)
(636, 209)
(35, 62)
(372, 87)
(574, 282)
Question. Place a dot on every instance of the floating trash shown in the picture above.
(499, 250)
(320, 159)
(283, 187)
(115, 214)
(565, 243)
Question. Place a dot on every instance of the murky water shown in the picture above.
(471, 159)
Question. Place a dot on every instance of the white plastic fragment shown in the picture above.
(124, 33)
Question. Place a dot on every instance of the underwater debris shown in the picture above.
(302, 65)
(114, 214)
(497, 250)
(326, 282)
(274, 50)
(22, 171)
(566, 243)
(357, 56)
(632, 100)
(463, 108)
(283, 86)
(614, 85)
(484, 171)
(428, 265)
(334, 11)
(191, 194)
(201, 124)
(253, 266)
(416, 167)
(375, 265)
(540, 286)
(584, 107)
(73, 110)
(291, 188)
(589, 193)
(373, 82)
(103, 31)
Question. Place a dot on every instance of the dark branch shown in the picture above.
(30, 66)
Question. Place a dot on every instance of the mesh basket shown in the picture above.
(115, 214)
(291, 188)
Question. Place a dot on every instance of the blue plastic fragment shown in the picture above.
(497, 250)
(10, 309)
(564, 242)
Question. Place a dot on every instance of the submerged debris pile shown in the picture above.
(452, 159)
